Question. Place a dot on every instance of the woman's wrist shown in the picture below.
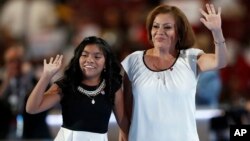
(219, 42)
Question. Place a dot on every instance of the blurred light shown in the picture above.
(54, 120)
(190, 8)
(205, 114)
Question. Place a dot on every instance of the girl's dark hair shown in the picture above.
(73, 74)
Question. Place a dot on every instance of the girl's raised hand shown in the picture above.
(53, 66)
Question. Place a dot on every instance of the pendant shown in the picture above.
(93, 101)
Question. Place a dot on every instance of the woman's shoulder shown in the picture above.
(132, 59)
(191, 51)
(138, 52)
(133, 56)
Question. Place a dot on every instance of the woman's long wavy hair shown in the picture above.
(73, 74)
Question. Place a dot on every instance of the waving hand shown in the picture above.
(53, 66)
(211, 19)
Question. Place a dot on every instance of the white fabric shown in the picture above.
(70, 135)
(164, 101)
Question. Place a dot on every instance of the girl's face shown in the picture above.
(92, 61)
(163, 31)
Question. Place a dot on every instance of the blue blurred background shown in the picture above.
(31, 30)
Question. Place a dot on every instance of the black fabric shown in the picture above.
(80, 114)
(35, 126)
(6, 116)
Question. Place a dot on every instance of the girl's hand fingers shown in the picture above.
(51, 60)
(56, 59)
(44, 61)
(60, 59)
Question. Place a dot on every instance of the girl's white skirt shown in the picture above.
(70, 135)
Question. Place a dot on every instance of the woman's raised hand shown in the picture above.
(53, 66)
(211, 19)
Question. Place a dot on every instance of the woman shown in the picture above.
(88, 92)
(163, 79)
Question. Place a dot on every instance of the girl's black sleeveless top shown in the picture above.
(80, 114)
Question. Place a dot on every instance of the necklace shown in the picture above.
(92, 94)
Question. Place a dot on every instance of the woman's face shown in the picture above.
(163, 31)
(92, 61)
